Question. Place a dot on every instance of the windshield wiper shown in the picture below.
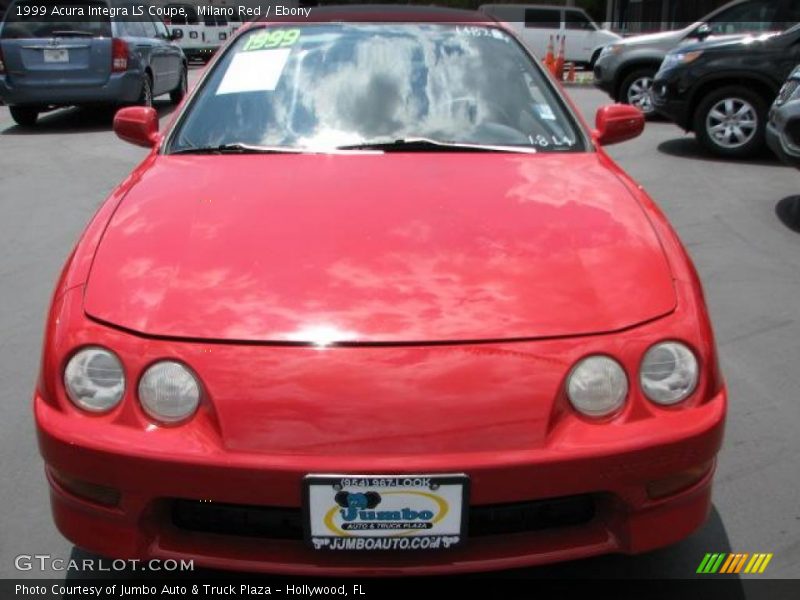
(68, 32)
(422, 144)
(238, 148)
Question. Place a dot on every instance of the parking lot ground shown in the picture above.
(53, 178)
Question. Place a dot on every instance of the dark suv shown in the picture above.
(722, 90)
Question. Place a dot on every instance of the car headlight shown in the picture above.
(169, 392)
(669, 373)
(94, 379)
(597, 386)
(789, 91)
(611, 49)
(679, 58)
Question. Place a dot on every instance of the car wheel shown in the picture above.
(179, 92)
(24, 115)
(636, 89)
(146, 95)
(732, 122)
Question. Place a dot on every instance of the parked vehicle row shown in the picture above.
(65, 61)
(722, 90)
(716, 78)
(626, 69)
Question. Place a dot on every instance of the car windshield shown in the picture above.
(423, 87)
(34, 19)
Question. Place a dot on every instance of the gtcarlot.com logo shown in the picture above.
(46, 562)
(724, 562)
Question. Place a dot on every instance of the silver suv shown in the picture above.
(625, 69)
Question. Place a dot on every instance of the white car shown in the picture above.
(198, 36)
(535, 23)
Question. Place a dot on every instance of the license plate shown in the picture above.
(56, 55)
(385, 512)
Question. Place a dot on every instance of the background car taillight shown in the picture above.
(119, 55)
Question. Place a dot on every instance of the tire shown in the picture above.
(24, 116)
(179, 92)
(146, 95)
(731, 122)
(635, 90)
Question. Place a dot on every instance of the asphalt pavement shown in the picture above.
(735, 218)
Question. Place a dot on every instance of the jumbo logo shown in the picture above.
(400, 511)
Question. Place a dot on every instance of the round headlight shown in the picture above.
(169, 392)
(597, 386)
(669, 373)
(94, 379)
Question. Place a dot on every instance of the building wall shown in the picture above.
(657, 15)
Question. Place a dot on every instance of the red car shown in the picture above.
(378, 302)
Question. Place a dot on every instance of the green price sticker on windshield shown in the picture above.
(272, 38)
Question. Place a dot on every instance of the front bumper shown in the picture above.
(670, 97)
(118, 88)
(605, 70)
(492, 411)
(142, 526)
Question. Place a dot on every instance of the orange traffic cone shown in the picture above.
(559, 63)
(571, 73)
(549, 59)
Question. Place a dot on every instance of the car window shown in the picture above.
(576, 20)
(135, 28)
(537, 18)
(24, 21)
(161, 28)
(149, 27)
(754, 16)
(337, 84)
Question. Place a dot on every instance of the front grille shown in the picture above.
(286, 523)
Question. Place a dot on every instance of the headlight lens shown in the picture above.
(611, 49)
(679, 58)
(669, 373)
(94, 379)
(597, 386)
(169, 392)
(789, 91)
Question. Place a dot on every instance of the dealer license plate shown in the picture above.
(385, 512)
(56, 55)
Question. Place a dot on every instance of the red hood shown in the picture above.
(378, 248)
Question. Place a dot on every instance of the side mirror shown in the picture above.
(137, 125)
(702, 32)
(617, 123)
